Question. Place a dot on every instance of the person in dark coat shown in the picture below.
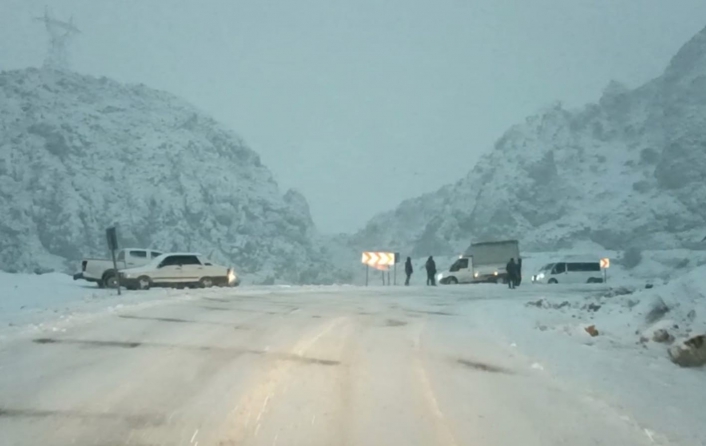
(518, 272)
(431, 271)
(511, 269)
(408, 270)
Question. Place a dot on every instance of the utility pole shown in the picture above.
(60, 34)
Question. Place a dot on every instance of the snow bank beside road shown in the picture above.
(618, 368)
(628, 315)
(685, 299)
(51, 301)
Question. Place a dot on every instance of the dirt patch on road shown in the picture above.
(159, 319)
(129, 345)
(432, 312)
(119, 344)
(173, 320)
(205, 307)
(304, 359)
(216, 299)
(394, 323)
(483, 367)
(132, 420)
(195, 348)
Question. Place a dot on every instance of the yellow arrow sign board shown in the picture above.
(605, 263)
(378, 258)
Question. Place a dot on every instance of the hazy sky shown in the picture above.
(361, 104)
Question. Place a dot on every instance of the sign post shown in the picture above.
(605, 264)
(112, 235)
(381, 261)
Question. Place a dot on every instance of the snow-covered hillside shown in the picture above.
(626, 172)
(79, 154)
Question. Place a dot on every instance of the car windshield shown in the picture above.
(547, 267)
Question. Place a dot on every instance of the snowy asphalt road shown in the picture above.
(346, 366)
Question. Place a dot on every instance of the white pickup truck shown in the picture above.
(103, 273)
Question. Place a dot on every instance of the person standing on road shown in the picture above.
(431, 271)
(408, 270)
(511, 269)
(518, 272)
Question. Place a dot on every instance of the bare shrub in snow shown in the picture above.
(641, 186)
(619, 291)
(658, 309)
(649, 156)
(631, 258)
(662, 336)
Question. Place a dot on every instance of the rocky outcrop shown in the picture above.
(625, 172)
(79, 154)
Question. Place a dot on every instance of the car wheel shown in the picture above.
(206, 282)
(553, 281)
(452, 281)
(110, 280)
(144, 283)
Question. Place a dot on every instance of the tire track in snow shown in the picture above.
(254, 404)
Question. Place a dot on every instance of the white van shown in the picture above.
(570, 271)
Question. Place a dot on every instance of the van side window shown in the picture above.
(140, 254)
(559, 268)
(584, 267)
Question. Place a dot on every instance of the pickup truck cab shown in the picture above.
(178, 270)
(102, 272)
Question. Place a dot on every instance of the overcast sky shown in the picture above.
(361, 104)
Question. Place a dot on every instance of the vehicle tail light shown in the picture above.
(83, 265)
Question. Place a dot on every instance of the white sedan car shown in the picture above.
(178, 270)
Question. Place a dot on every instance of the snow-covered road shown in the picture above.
(331, 366)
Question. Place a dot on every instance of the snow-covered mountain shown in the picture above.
(626, 172)
(79, 154)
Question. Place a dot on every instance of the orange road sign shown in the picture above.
(605, 263)
(375, 259)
